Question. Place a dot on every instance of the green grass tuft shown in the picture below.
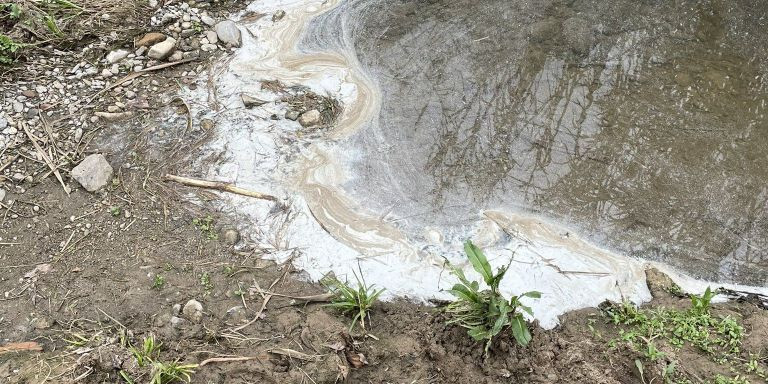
(350, 300)
(487, 313)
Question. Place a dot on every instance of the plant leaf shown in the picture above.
(479, 262)
(532, 294)
(520, 330)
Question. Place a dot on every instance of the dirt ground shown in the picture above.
(87, 275)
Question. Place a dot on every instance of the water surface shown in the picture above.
(639, 124)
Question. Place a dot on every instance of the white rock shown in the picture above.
(116, 56)
(3, 122)
(207, 20)
(310, 118)
(228, 33)
(193, 311)
(212, 37)
(162, 49)
(18, 107)
(106, 73)
(2, 194)
(208, 47)
(93, 173)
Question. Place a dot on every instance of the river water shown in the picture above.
(640, 124)
(577, 140)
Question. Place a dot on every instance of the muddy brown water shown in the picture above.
(640, 124)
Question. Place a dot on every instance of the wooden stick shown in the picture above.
(220, 186)
(18, 347)
(230, 359)
(258, 315)
(48, 161)
(295, 354)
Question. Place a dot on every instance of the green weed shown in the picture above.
(8, 49)
(487, 313)
(165, 373)
(205, 281)
(206, 227)
(719, 337)
(158, 282)
(350, 300)
(148, 351)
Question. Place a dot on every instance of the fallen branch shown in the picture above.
(224, 187)
(19, 347)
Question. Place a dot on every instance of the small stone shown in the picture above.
(113, 108)
(106, 73)
(18, 107)
(141, 51)
(177, 322)
(177, 56)
(109, 116)
(117, 55)
(193, 311)
(29, 93)
(208, 47)
(130, 94)
(188, 33)
(250, 101)
(292, 115)
(93, 173)
(212, 37)
(78, 134)
(32, 112)
(2, 194)
(277, 16)
(206, 124)
(230, 236)
(237, 315)
(310, 118)
(228, 33)
(3, 122)
(176, 310)
(207, 20)
(149, 39)
(162, 49)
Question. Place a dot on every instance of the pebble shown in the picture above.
(212, 37)
(228, 33)
(18, 107)
(193, 311)
(162, 49)
(207, 20)
(117, 55)
(310, 118)
(230, 236)
(93, 173)
(113, 108)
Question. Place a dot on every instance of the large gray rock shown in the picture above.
(162, 49)
(228, 33)
(93, 173)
